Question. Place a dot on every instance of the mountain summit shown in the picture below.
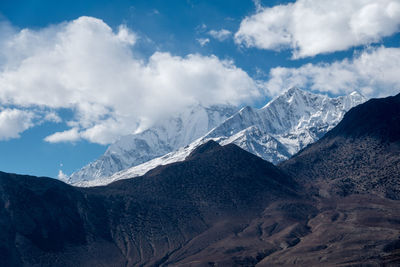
(286, 124)
(274, 132)
(162, 138)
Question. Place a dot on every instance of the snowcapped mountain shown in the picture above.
(286, 124)
(275, 132)
(166, 136)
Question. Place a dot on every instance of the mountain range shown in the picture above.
(334, 203)
(274, 132)
(164, 137)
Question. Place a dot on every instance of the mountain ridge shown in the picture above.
(272, 132)
(368, 138)
(166, 136)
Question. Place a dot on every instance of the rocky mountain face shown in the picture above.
(353, 175)
(275, 132)
(164, 137)
(360, 155)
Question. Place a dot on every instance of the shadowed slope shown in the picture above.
(137, 221)
(173, 204)
(49, 223)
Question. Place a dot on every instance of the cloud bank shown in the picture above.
(87, 67)
(312, 27)
(373, 72)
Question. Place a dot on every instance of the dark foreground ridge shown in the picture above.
(334, 203)
(171, 213)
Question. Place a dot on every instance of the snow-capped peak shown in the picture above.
(162, 138)
(278, 130)
(290, 121)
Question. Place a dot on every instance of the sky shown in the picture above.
(77, 75)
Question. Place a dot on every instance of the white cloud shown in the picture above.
(52, 117)
(126, 36)
(85, 66)
(203, 41)
(71, 135)
(14, 121)
(374, 72)
(311, 27)
(62, 176)
(220, 35)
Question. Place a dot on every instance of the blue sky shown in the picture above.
(245, 52)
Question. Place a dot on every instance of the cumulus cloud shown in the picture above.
(220, 35)
(374, 73)
(311, 27)
(14, 121)
(94, 71)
